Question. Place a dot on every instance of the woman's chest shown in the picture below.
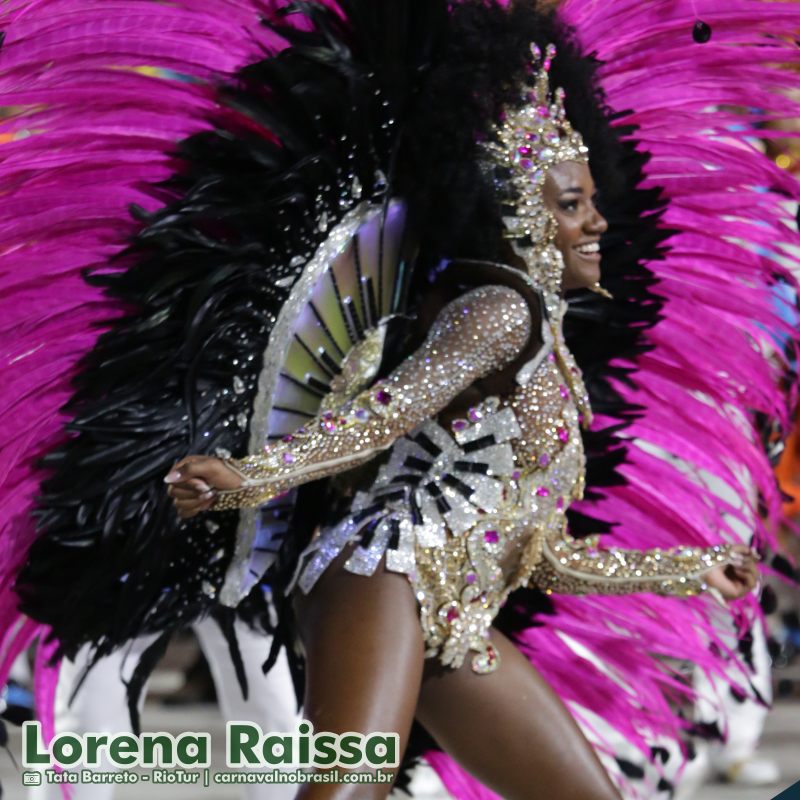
(549, 451)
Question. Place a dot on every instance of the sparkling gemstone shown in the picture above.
(563, 390)
(544, 460)
(288, 438)
(563, 434)
(524, 150)
(474, 415)
(546, 154)
(543, 491)
(329, 425)
(459, 424)
(471, 577)
(452, 614)
(551, 357)
(515, 475)
(288, 458)
(383, 397)
(526, 163)
(560, 504)
(492, 537)
(362, 414)
(238, 385)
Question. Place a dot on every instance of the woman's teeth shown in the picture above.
(588, 249)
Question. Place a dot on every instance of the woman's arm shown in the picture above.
(473, 336)
(572, 566)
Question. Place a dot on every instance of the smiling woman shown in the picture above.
(570, 194)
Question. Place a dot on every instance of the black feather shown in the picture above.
(147, 663)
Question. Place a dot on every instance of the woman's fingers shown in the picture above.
(188, 489)
(206, 470)
(747, 576)
(186, 468)
(736, 579)
(189, 508)
(193, 482)
(748, 554)
(180, 493)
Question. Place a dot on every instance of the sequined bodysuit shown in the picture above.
(475, 508)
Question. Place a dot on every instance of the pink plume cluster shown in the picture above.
(697, 108)
(95, 93)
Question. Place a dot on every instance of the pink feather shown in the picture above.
(715, 283)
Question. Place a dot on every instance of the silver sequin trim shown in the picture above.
(237, 581)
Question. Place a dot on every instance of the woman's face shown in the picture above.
(569, 193)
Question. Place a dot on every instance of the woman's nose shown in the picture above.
(596, 222)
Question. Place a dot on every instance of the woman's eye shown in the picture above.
(568, 205)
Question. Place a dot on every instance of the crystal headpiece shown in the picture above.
(531, 138)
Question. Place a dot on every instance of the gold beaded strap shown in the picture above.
(572, 566)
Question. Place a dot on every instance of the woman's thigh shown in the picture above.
(364, 655)
(511, 731)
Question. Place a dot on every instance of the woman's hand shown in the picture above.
(738, 578)
(193, 482)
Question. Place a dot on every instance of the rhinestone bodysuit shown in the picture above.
(475, 508)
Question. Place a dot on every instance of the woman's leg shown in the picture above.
(511, 731)
(364, 653)
(365, 656)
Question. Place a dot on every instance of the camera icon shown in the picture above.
(31, 778)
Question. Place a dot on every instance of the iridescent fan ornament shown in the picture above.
(530, 139)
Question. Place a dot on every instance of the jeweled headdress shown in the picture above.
(531, 138)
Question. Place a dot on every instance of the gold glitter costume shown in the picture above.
(475, 509)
